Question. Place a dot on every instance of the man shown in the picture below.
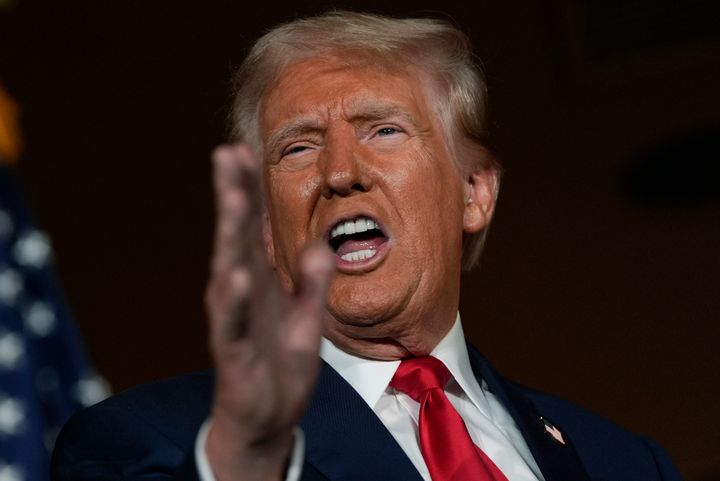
(363, 187)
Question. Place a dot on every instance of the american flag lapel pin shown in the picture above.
(552, 431)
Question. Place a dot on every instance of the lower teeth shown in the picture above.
(358, 255)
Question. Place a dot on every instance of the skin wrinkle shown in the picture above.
(408, 180)
(304, 127)
(298, 128)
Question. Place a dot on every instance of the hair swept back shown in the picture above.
(430, 45)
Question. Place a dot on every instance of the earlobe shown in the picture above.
(481, 189)
(268, 240)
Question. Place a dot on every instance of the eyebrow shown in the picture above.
(292, 129)
(360, 112)
(372, 112)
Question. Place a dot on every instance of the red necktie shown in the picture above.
(449, 452)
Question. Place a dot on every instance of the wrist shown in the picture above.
(235, 454)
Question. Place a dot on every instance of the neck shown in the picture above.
(382, 342)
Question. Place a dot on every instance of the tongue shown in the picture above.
(353, 245)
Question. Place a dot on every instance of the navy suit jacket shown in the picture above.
(149, 432)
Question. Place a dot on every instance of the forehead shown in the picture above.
(326, 88)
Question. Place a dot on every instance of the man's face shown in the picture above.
(361, 149)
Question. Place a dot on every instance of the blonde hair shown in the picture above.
(429, 45)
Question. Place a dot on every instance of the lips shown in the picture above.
(357, 239)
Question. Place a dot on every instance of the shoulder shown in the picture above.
(603, 446)
(151, 425)
(576, 419)
(606, 450)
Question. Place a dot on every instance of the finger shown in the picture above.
(238, 229)
(227, 304)
(316, 266)
(234, 160)
(305, 324)
(236, 236)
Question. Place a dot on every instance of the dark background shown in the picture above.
(601, 276)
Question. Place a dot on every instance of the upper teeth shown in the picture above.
(359, 224)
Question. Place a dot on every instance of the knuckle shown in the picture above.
(221, 152)
(240, 281)
(227, 299)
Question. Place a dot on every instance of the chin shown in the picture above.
(378, 348)
(366, 304)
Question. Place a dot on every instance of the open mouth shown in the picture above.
(357, 239)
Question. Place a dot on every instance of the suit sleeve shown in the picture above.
(665, 466)
(108, 443)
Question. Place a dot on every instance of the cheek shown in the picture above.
(430, 188)
(289, 202)
(432, 200)
(290, 189)
(284, 205)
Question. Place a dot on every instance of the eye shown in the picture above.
(295, 149)
(387, 131)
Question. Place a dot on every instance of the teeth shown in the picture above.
(358, 255)
(359, 224)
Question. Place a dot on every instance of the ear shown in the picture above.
(481, 189)
(268, 239)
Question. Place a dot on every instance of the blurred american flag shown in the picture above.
(45, 375)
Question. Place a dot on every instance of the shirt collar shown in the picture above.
(371, 377)
(452, 351)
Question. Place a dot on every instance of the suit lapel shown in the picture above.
(558, 462)
(345, 440)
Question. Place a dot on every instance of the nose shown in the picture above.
(343, 168)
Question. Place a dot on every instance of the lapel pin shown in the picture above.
(552, 431)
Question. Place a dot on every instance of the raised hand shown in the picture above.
(264, 340)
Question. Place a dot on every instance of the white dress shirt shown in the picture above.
(490, 426)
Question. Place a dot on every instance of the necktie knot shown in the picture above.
(418, 375)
